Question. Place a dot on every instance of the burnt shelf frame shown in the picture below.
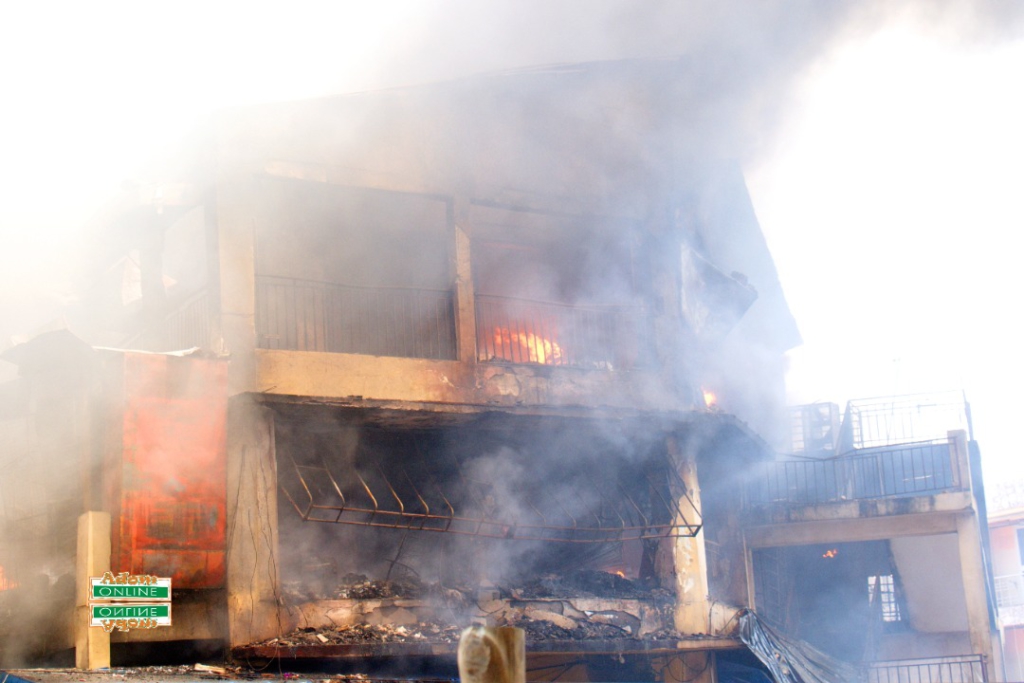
(626, 522)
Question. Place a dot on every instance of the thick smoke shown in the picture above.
(717, 74)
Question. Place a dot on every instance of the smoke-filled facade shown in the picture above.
(506, 350)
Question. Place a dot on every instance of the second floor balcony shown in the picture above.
(305, 315)
(595, 337)
(891, 472)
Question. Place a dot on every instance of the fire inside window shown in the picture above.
(883, 588)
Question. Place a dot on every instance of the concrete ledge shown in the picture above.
(345, 376)
(851, 529)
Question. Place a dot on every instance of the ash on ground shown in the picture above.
(356, 634)
(576, 584)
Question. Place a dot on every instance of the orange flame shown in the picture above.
(829, 554)
(710, 400)
(5, 583)
(526, 346)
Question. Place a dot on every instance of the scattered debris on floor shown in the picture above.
(585, 584)
(367, 633)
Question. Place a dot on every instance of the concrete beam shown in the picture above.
(382, 378)
(850, 530)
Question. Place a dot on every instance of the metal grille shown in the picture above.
(302, 315)
(769, 587)
(523, 331)
(449, 495)
(882, 593)
(900, 472)
(957, 669)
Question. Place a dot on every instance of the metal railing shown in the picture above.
(900, 472)
(523, 331)
(185, 327)
(303, 315)
(1010, 590)
(903, 419)
(189, 325)
(955, 669)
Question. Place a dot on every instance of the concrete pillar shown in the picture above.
(972, 565)
(465, 302)
(236, 215)
(254, 609)
(92, 645)
(972, 568)
(692, 604)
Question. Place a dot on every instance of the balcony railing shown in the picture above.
(522, 331)
(187, 326)
(956, 669)
(898, 472)
(303, 315)
(879, 422)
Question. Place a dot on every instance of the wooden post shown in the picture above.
(492, 655)
(92, 645)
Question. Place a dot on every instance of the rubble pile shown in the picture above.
(544, 629)
(586, 583)
(574, 606)
(360, 587)
(424, 632)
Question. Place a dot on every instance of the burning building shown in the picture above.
(458, 353)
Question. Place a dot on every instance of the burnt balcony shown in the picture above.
(305, 315)
(521, 331)
(904, 471)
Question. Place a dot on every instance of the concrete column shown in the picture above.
(237, 204)
(972, 568)
(92, 645)
(254, 610)
(465, 302)
(692, 604)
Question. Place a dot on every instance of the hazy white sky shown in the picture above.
(892, 202)
(888, 178)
